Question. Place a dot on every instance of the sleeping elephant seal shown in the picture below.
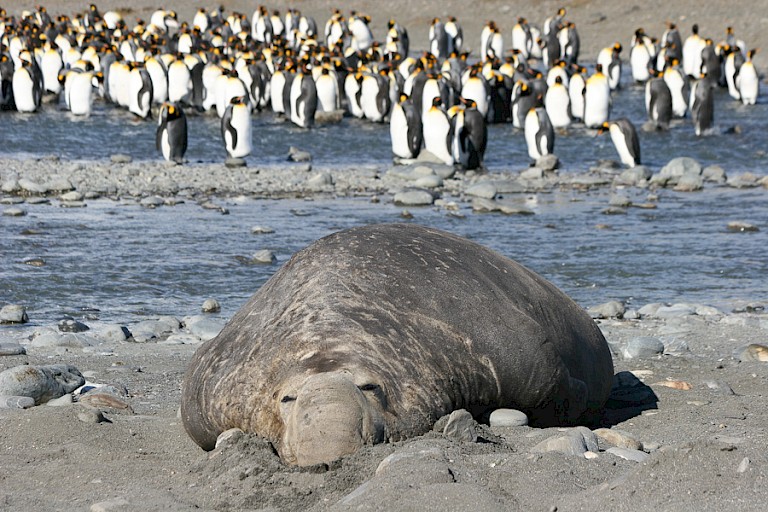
(373, 333)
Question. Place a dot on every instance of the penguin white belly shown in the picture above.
(621, 145)
(23, 90)
(576, 95)
(241, 122)
(51, 66)
(351, 88)
(178, 82)
(639, 60)
(80, 94)
(597, 104)
(327, 93)
(368, 99)
(220, 88)
(398, 133)
(297, 105)
(531, 129)
(556, 72)
(557, 103)
(730, 80)
(436, 128)
(276, 84)
(474, 89)
(748, 83)
(165, 145)
(675, 82)
(159, 83)
(139, 103)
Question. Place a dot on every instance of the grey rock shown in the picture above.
(414, 198)
(67, 339)
(714, 174)
(12, 349)
(13, 314)
(40, 383)
(10, 186)
(743, 465)
(16, 402)
(620, 200)
(689, 183)
(643, 346)
(548, 163)
(722, 388)
(485, 190)
(461, 426)
(73, 204)
(612, 309)
(69, 325)
(62, 401)
(426, 156)
(332, 117)
(14, 211)
(406, 456)
(58, 184)
(234, 163)
(628, 454)
(532, 173)
(12, 200)
(91, 416)
(264, 256)
(120, 158)
(675, 310)
(679, 167)
(320, 181)
(634, 176)
(297, 155)
(649, 309)
(203, 327)
(71, 196)
(744, 180)
(618, 438)
(112, 333)
(481, 205)
(754, 352)
(262, 230)
(113, 505)
(508, 418)
(573, 443)
(149, 330)
(431, 181)
(152, 202)
(737, 226)
(211, 306)
(32, 187)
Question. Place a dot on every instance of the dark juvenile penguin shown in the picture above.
(339, 349)
(171, 136)
(624, 138)
(658, 101)
(405, 129)
(703, 104)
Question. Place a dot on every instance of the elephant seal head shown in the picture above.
(329, 416)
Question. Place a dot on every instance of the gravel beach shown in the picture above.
(98, 428)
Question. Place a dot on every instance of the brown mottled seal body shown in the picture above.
(373, 333)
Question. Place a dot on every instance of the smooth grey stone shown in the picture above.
(38, 200)
(112, 333)
(12, 200)
(262, 230)
(120, 158)
(484, 190)
(714, 173)
(703, 310)
(297, 155)
(13, 314)
(16, 402)
(689, 183)
(152, 202)
(264, 256)
(548, 162)
(675, 310)
(406, 456)
(59, 184)
(320, 181)
(508, 418)
(73, 195)
(643, 346)
(67, 339)
(61, 401)
(676, 346)
(73, 204)
(211, 306)
(461, 426)
(32, 187)
(681, 166)
(532, 173)
(426, 156)
(482, 205)
(234, 163)
(40, 383)
(414, 198)
(203, 327)
(649, 309)
(754, 352)
(634, 176)
(567, 445)
(69, 325)
(612, 309)
(721, 387)
(743, 465)
(628, 454)
(620, 200)
(12, 349)
(14, 211)
(431, 181)
(744, 180)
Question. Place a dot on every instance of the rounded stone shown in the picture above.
(14, 212)
(414, 198)
(264, 256)
(643, 346)
(13, 314)
(211, 306)
(508, 418)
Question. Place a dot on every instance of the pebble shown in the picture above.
(751, 352)
(418, 197)
(264, 256)
(461, 426)
(14, 212)
(211, 306)
(91, 416)
(507, 418)
(262, 230)
(628, 454)
(612, 309)
(41, 383)
(484, 190)
(234, 163)
(62, 401)
(576, 442)
(16, 402)
(114, 505)
(297, 155)
(618, 438)
(120, 158)
(203, 327)
(743, 465)
(675, 384)
(13, 314)
(742, 227)
(70, 325)
(12, 349)
(643, 346)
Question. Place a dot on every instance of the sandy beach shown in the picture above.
(684, 428)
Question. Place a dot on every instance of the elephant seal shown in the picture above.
(373, 333)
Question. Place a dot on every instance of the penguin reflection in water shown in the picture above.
(624, 137)
(171, 137)
(236, 128)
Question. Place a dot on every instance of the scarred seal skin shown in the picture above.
(373, 333)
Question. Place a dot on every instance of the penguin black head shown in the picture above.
(695, 29)
(617, 47)
(559, 80)
(437, 102)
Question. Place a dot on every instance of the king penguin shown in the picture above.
(141, 91)
(557, 103)
(303, 99)
(576, 89)
(374, 96)
(702, 105)
(747, 80)
(27, 89)
(624, 138)
(327, 91)
(641, 56)
(405, 129)
(171, 136)
(539, 133)
(597, 99)
(609, 58)
(437, 128)
(658, 101)
(79, 91)
(236, 128)
(678, 88)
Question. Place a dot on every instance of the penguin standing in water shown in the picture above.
(539, 133)
(624, 138)
(303, 99)
(641, 56)
(236, 128)
(747, 80)
(141, 91)
(703, 105)
(405, 129)
(437, 127)
(171, 136)
(678, 88)
(78, 90)
(658, 101)
(27, 89)
(731, 68)
(597, 99)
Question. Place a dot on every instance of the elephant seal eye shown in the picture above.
(288, 398)
(369, 387)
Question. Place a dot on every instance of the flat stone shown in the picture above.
(643, 346)
(73, 195)
(40, 383)
(689, 183)
(120, 158)
(113, 505)
(16, 402)
(262, 230)
(461, 426)
(264, 256)
(66, 339)
(714, 173)
(112, 333)
(12, 349)
(754, 352)
(675, 310)
(14, 211)
(152, 202)
(32, 187)
(737, 226)
(618, 438)
(414, 198)
(628, 454)
(203, 327)
(612, 309)
(69, 325)
(13, 314)
(484, 190)
(431, 181)
(508, 418)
